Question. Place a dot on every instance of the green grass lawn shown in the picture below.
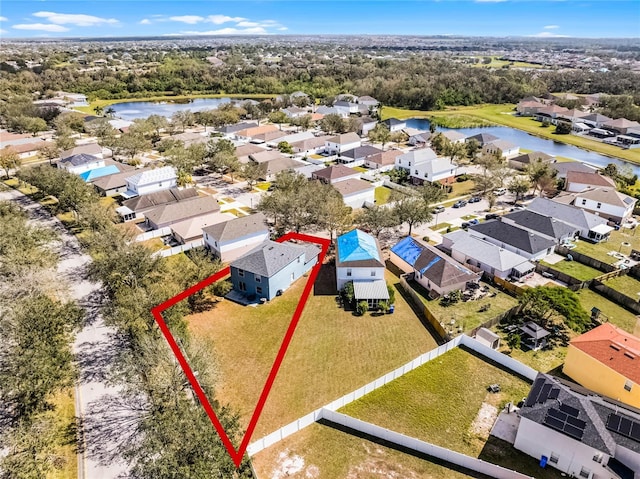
(503, 115)
(467, 315)
(459, 121)
(461, 188)
(439, 402)
(574, 269)
(615, 313)
(541, 360)
(361, 169)
(627, 285)
(440, 226)
(332, 352)
(263, 186)
(331, 454)
(468, 217)
(382, 194)
(615, 243)
(64, 420)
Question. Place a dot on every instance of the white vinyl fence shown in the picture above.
(506, 361)
(423, 447)
(179, 249)
(154, 234)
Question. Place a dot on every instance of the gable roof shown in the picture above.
(453, 135)
(542, 224)
(118, 180)
(483, 138)
(153, 176)
(596, 117)
(192, 227)
(80, 159)
(182, 210)
(353, 185)
(266, 155)
(485, 252)
(613, 347)
(532, 157)
(553, 398)
(268, 258)
(394, 122)
(248, 149)
(588, 178)
(358, 249)
(310, 143)
(345, 138)
(564, 167)
(621, 123)
(359, 152)
(385, 158)
(607, 195)
(334, 172)
(279, 164)
(89, 149)
(441, 269)
(569, 214)
(158, 198)
(512, 235)
(238, 227)
(502, 144)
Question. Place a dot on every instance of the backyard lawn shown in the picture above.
(461, 188)
(382, 194)
(627, 285)
(615, 314)
(323, 452)
(621, 241)
(574, 269)
(332, 352)
(441, 401)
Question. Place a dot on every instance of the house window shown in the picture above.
(373, 272)
(598, 205)
(160, 184)
(584, 472)
(242, 286)
(554, 458)
(628, 385)
(416, 172)
(349, 272)
(241, 273)
(584, 202)
(299, 258)
(258, 290)
(258, 278)
(598, 458)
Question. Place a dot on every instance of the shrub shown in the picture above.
(347, 292)
(362, 307)
(383, 306)
(392, 293)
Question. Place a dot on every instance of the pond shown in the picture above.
(534, 143)
(144, 109)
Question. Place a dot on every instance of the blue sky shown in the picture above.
(544, 18)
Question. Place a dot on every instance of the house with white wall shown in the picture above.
(572, 429)
(577, 181)
(605, 202)
(393, 124)
(501, 148)
(356, 193)
(231, 239)
(424, 165)
(151, 181)
(343, 142)
(81, 163)
(528, 244)
(345, 108)
(335, 173)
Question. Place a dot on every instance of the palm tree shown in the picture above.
(110, 111)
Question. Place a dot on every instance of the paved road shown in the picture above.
(95, 345)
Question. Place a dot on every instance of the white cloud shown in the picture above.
(78, 20)
(190, 19)
(45, 27)
(247, 24)
(4, 19)
(144, 21)
(220, 19)
(551, 27)
(227, 31)
(548, 35)
(282, 29)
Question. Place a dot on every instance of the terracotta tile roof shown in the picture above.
(613, 347)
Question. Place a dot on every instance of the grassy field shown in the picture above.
(382, 194)
(497, 63)
(459, 121)
(467, 315)
(105, 103)
(615, 243)
(615, 314)
(626, 285)
(327, 453)
(332, 352)
(574, 269)
(64, 419)
(503, 115)
(461, 188)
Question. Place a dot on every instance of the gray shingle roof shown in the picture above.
(237, 228)
(483, 138)
(268, 258)
(361, 152)
(173, 195)
(545, 225)
(80, 159)
(174, 212)
(532, 157)
(441, 269)
(485, 252)
(512, 235)
(567, 213)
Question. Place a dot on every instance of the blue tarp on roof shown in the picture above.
(357, 245)
(408, 250)
(99, 172)
(431, 263)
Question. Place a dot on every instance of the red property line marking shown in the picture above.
(237, 455)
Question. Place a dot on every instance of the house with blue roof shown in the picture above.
(91, 175)
(359, 259)
(433, 269)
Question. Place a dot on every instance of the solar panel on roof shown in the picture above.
(557, 414)
(635, 431)
(571, 411)
(624, 426)
(544, 394)
(576, 422)
(553, 394)
(573, 431)
(564, 423)
(613, 422)
(535, 390)
(553, 422)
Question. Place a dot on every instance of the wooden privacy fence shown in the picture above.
(422, 308)
(572, 283)
(616, 296)
(509, 286)
(495, 320)
(586, 260)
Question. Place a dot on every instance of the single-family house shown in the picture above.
(115, 184)
(488, 257)
(294, 112)
(417, 137)
(572, 116)
(532, 246)
(244, 152)
(356, 193)
(521, 162)
(570, 428)
(190, 138)
(590, 227)
(529, 107)
(365, 125)
(595, 120)
(433, 269)
(169, 214)
(270, 268)
(369, 101)
(231, 130)
(359, 259)
(482, 138)
(393, 124)
(264, 156)
(577, 181)
(454, 136)
(383, 161)
(620, 126)
(251, 132)
(327, 110)
(343, 142)
(269, 169)
(605, 360)
(564, 167)
(93, 149)
(424, 165)
(269, 137)
(190, 229)
(345, 108)
(551, 114)
(310, 146)
(501, 148)
(546, 226)
(150, 181)
(308, 170)
(606, 202)
(357, 156)
(81, 163)
(335, 173)
(143, 203)
(233, 238)
(25, 148)
(291, 137)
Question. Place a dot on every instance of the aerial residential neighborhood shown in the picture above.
(235, 248)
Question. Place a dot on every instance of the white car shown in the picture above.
(499, 191)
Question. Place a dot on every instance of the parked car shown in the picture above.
(438, 209)
(491, 216)
(459, 204)
(474, 199)
(466, 224)
(499, 191)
